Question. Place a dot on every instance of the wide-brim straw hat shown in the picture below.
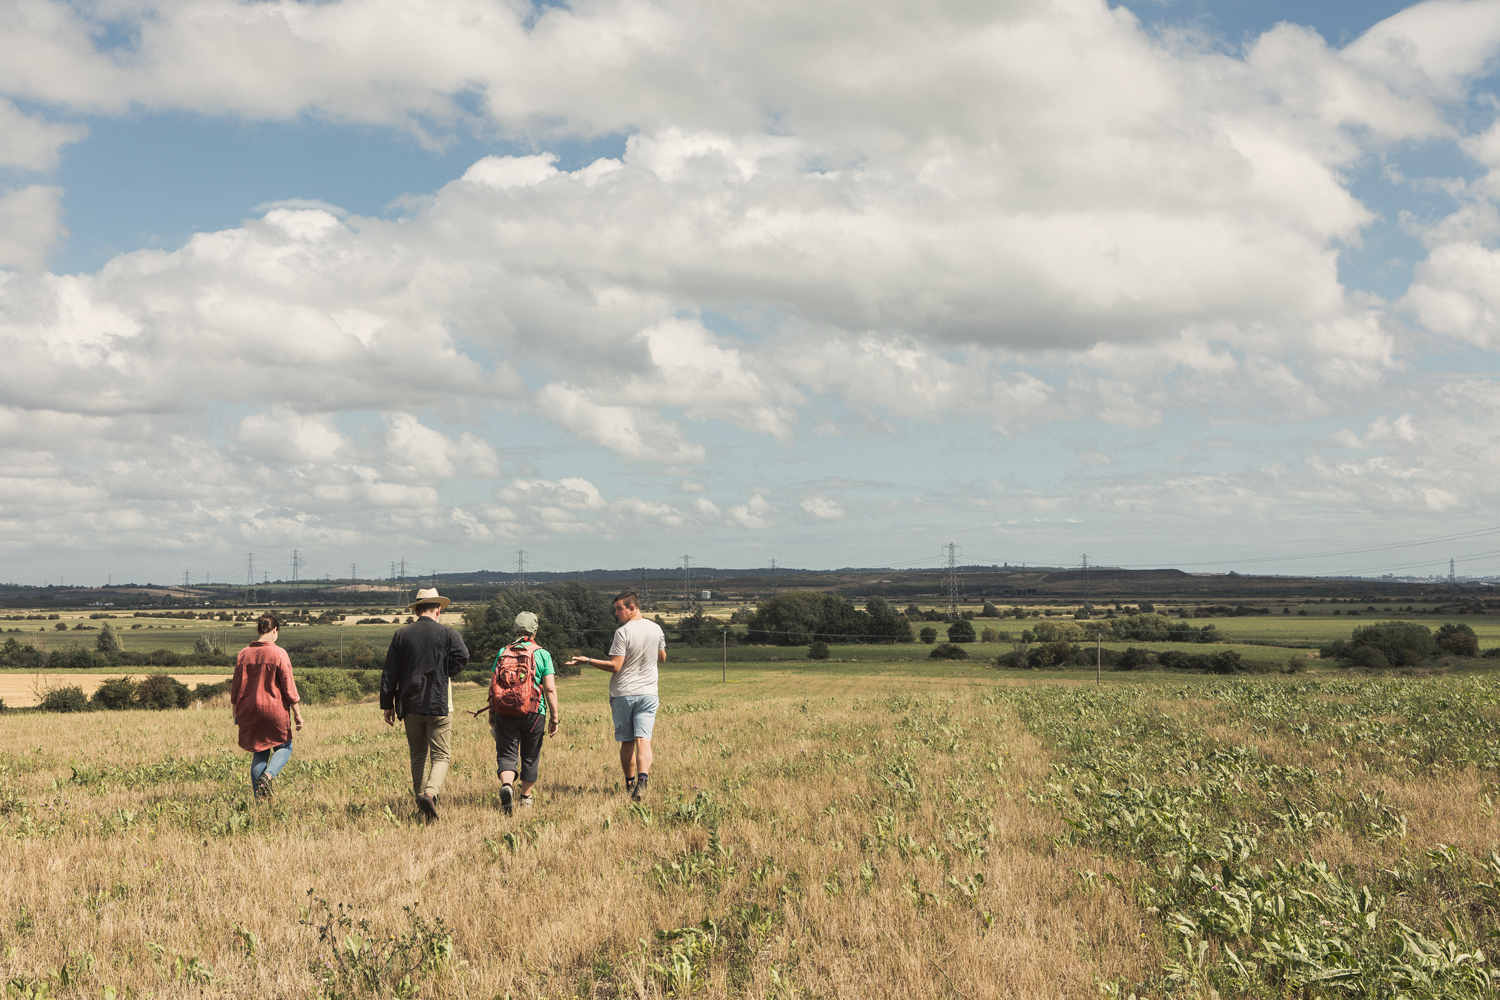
(428, 596)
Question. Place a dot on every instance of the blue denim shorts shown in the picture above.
(634, 714)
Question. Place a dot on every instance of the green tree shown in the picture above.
(108, 642)
(1457, 640)
(802, 617)
(571, 617)
(698, 629)
(1402, 644)
(201, 646)
(961, 631)
(928, 634)
(886, 623)
(817, 651)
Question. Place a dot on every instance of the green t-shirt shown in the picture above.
(543, 661)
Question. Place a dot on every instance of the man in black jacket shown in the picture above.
(416, 688)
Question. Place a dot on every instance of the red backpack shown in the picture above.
(513, 688)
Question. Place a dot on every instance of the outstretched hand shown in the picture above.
(578, 661)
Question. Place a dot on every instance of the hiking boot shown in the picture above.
(526, 801)
(507, 798)
(427, 806)
(639, 791)
(264, 787)
(630, 787)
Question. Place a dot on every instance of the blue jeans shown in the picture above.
(269, 762)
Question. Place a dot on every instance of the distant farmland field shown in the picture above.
(913, 830)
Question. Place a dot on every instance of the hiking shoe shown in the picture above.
(264, 787)
(427, 806)
(639, 791)
(630, 787)
(526, 801)
(507, 798)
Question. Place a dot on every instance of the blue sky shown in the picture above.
(1173, 283)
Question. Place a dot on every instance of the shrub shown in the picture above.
(961, 631)
(162, 691)
(318, 686)
(1226, 662)
(928, 635)
(948, 651)
(1049, 654)
(1457, 640)
(1368, 657)
(204, 692)
(818, 651)
(116, 693)
(65, 699)
(989, 634)
(1402, 644)
(989, 611)
(1135, 659)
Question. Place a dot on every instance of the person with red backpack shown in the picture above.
(523, 701)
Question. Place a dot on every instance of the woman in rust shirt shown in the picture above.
(259, 696)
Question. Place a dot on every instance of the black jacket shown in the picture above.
(422, 657)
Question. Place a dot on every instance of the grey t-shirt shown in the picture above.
(638, 641)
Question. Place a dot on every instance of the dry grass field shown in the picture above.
(810, 833)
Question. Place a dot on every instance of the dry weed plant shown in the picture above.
(805, 835)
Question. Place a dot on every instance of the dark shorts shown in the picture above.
(518, 743)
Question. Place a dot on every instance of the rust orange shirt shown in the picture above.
(262, 692)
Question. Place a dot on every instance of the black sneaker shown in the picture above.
(427, 806)
(639, 791)
(507, 799)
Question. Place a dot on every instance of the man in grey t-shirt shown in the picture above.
(638, 647)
